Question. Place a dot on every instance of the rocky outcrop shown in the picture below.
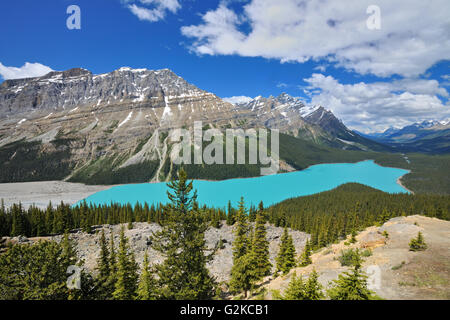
(394, 271)
(88, 248)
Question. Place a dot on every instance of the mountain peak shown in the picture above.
(74, 72)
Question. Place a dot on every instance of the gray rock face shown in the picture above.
(283, 112)
(88, 248)
(117, 116)
(106, 115)
(58, 91)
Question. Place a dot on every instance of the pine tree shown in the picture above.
(104, 287)
(241, 230)
(84, 218)
(126, 278)
(147, 284)
(103, 266)
(305, 258)
(109, 285)
(295, 290)
(69, 254)
(351, 286)
(3, 221)
(183, 274)
(34, 272)
(252, 214)
(130, 220)
(230, 215)
(353, 237)
(18, 224)
(260, 248)
(299, 290)
(286, 255)
(417, 244)
(243, 275)
(313, 288)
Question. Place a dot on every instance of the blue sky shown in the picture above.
(325, 54)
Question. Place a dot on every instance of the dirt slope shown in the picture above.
(404, 274)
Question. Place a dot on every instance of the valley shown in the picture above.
(98, 148)
(113, 129)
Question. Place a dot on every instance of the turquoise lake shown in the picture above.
(270, 189)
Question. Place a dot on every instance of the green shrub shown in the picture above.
(366, 253)
(350, 257)
(398, 266)
(417, 244)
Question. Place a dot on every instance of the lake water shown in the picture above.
(270, 189)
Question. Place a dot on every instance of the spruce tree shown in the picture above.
(241, 230)
(295, 290)
(260, 248)
(183, 274)
(230, 215)
(18, 225)
(104, 268)
(147, 284)
(126, 274)
(286, 255)
(305, 258)
(351, 286)
(84, 217)
(35, 271)
(109, 286)
(353, 237)
(417, 244)
(243, 275)
(69, 254)
(313, 288)
(298, 289)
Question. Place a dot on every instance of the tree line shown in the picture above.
(38, 271)
(332, 215)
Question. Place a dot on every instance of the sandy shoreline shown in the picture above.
(42, 192)
(399, 181)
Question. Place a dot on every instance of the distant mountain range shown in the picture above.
(427, 136)
(78, 126)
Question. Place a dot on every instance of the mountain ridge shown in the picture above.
(75, 125)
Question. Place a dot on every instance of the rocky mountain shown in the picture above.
(82, 118)
(427, 136)
(167, 99)
(285, 113)
(312, 123)
(75, 125)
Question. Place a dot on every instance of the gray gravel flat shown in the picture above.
(40, 193)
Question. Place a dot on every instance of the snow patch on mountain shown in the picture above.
(126, 119)
(237, 99)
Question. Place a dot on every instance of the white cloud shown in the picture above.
(152, 10)
(28, 70)
(237, 99)
(377, 106)
(321, 68)
(414, 33)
